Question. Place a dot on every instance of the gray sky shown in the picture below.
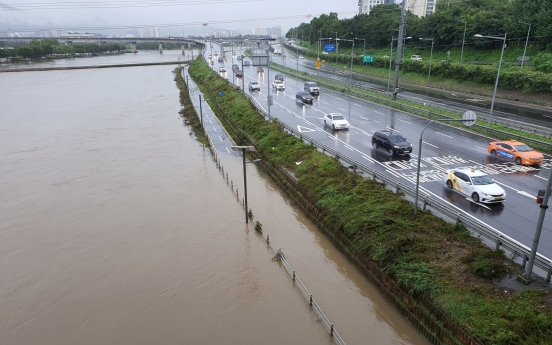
(238, 14)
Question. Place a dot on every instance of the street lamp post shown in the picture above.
(463, 41)
(364, 52)
(430, 60)
(351, 74)
(526, 41)
(243, 150)
(390, 60)
(200, 108)
(497, 74)
(543, 207)
(468, 118)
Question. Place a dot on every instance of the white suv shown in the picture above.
(416, 58)
(312, 88)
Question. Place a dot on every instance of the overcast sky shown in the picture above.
(186, 14)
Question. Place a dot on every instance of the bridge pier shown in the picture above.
(160, 48)
(183, 51)
(133, 47)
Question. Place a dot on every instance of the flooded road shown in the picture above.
(117, 228)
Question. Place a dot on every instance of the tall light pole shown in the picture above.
(351, 73)
(463, 41)
(201, 109)
(336, 48)
(526, 41)
(390, 60)
(543, 207)
(430, 60)
(398, 60)
(468, 118)
(364, 52)
(243, 150)
(497, 74)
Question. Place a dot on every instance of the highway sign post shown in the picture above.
(368, 58)
(329, 47)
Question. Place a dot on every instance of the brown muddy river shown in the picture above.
(117, 228)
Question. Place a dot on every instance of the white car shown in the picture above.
(222, 70)
(475, 185)
(336, 121)
(300, 56)
(325, 53)
(279, 85)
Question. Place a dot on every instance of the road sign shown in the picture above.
(329, 47)
(368, 58)
(318, 63)
(220, 94)
(469, 118)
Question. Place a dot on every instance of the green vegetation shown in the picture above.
(50, 47)
(424, 111)
(446, 27)
(436, 262)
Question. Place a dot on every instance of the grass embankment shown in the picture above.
(422, 111)
(187, 110)
(432, 260)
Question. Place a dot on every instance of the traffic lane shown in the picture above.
(343, 141)
(451, 196)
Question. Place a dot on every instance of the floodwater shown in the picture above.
(117, 228)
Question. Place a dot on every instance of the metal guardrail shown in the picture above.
(328, 325)
(513, 124)
(471, 223)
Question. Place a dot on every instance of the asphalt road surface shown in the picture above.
(444, 148)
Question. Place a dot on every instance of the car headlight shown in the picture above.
(397, 147)
(524, 156)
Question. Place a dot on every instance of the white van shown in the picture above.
(416, 58)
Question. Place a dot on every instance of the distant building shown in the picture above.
(421, 7)
(275, 32)
(74, 34)
(364, 6)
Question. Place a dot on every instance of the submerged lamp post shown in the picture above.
(468, 118)
(497, 74)
(243, 150)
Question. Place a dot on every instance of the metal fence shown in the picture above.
(471, 223)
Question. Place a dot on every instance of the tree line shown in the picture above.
(446, 25)
(38, 49)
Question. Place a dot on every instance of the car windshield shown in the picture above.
(254, 83)
(278, 82)
(338, 117)
(395, 138)
(523, 148)
(481, 180)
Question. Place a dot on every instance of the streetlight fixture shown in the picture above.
(243, 150)
(391, 59)
(468, 118)
(526, 41)
(430, 60)
(497, 74)
(200, 109)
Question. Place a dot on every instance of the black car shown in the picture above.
(235, 67)
(239, 73)
(303, 97)
(254, 86)
(392, 142)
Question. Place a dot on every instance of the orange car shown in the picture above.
(515, 151)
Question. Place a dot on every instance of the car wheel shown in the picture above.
(493, 152)
(391, 152)
(375, 145)
(518, 161)
(449, 184)
(325, 122)
(475, 197)
(333, 126)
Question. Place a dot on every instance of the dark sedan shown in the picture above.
(303, 97)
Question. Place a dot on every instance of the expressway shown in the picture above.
(444, 147)
(480, 105)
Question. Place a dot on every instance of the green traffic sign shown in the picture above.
(368, 58)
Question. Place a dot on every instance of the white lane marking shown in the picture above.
(405, 121)
(341, 109)
(305, 129)
(380, 113)
(349, 147)
(210, 122)
(358, 105)
(215, 129)
(542, 178)
(339, 98)
(448, 136)
(482, 148)
(477, 203)
(517, 191)
(227, 148)
(364, 132)
(430, 144)
(324, 102)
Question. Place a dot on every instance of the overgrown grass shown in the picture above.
(429, 258)
(422, 111)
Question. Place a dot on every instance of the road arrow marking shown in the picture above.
(305, 129)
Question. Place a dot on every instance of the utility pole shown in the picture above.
(398, 60)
